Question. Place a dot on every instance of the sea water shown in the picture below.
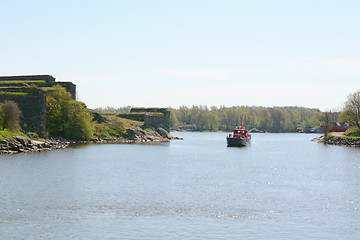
(282, 186)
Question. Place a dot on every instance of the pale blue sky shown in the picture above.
(172, 53)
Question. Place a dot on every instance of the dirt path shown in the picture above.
(337, 134)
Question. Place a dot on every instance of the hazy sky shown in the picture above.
(162, 53)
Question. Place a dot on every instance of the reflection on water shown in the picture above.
(283, 186)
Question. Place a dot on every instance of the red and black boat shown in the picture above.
(239, 138)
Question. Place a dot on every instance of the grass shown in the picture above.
(18, 82)
(145, 113)
(134, 113)
(150, 109)
(353, 132)
(17, 93)
(127, 123)
(50, 88)
(115, 128)
(8, 134)
(155, 113)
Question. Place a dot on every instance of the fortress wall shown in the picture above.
(137, 117)
(156, 121)
(33, 109)
(48, 78)
(70, 87)
(33, 106)
(148, 110)
(149, 117)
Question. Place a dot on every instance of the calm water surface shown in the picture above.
(283, 186)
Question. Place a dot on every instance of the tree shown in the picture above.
(66, 117)
(173, 118)
(9, 115)
(77, 120)
(351, 111)
(183, 116)
(54, 119)
(279, 119)
(212, 121)
(265, 119)
(327, 122)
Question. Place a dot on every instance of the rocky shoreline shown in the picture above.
(340, 141)
(24, 145)
(137, 135)
(134, 135)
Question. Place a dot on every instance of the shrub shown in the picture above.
(353, 132)
(77, 123)
(66, 117)
(9, 115)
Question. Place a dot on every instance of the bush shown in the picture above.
(353, 132)
(66, 117)
(9, 115)
(77, 123)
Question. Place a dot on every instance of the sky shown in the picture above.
(165, 53)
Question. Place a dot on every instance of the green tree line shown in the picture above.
(274, 119)
(72, 120)
(109, 109)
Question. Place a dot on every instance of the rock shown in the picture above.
(31, 135)
(14, 147)
(97, 117)
(131, 134)
(254, 130)
(46, 145)
(338, 141)
(37, 143)
(135, 134)
(22, 150)
(319, 140)
(23, 140)
(4, 147)
(187, 128)
(23, 145)
(164, 133)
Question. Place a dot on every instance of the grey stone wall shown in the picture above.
(33, 109)
(70, 87)
(156, 121)
(148, 110)
(48, 78)
(136, 117)
(50, 81)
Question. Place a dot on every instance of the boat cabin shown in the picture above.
(240, 132)
(239, 138)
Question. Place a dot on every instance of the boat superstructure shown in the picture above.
(239, 138)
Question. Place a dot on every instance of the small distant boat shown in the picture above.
(239, 138)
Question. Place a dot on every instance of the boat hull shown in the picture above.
(237, 142)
